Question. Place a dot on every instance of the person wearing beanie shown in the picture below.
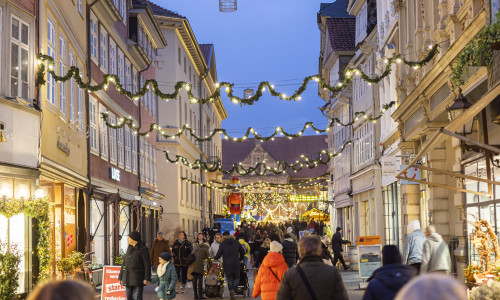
(387, 280)
(337, 243)
(135, 272)
(166, 276)
(289, 230)
(290, 250)
(270, 272)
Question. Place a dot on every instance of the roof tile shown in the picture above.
(160, 11)
(341, 32)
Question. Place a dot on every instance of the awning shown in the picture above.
(449, 131)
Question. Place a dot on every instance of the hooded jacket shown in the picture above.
(386, 281)
(290, 252)
(232, 252)
(414, 244)
(436, 255)
(246, 247)
(201, 253)
(266, 282)
(167, 282)
(136, 266)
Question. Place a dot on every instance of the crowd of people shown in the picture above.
(283, 267)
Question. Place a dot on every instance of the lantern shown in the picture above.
(228, 5)
(457, 109)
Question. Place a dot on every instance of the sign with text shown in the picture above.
(370, 259)
(389, 168)
(369, 240)
(411, 173)
(111, 288)
(114, 174)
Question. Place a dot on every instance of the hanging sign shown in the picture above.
(388, 169)
(111, 288)
(411, 173)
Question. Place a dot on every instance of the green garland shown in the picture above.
(38, 209)
(281, 168)
(279, 130)
(478, 52)
(75, 73)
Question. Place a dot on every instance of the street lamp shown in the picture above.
(40, 194)
(22, 192)
(5, 192)
(228, 5)
(457, 109)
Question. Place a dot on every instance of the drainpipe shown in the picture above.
(87, 120)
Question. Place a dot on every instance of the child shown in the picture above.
(167, 277)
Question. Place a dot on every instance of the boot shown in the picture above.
(183, 289)
(231, 295)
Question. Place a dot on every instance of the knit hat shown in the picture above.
(289, 230)
(391, 255)
(339, 229)
(136, 236)
(275, 247)
(166, 256)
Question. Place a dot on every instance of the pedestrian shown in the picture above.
(135, 272)
(337, 243)
(237, 231)
(181, 249)
(290, 252)
(414, 245)
(311, 226)
(270, 273)
(311, 278)
(160, 245)
(256, 246)
(201, 254)
(263, 250)
(232, 253)
(433, 287)
(241, 239)
(435, 254)
(289, 230)
(386, 281)
(215, 245)
(166, 276)
(63, 290)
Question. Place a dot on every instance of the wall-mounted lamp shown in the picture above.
(457, 109)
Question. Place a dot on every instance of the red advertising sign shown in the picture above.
(111, 288)
(69, 240)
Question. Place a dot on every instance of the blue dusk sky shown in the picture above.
(264, 40)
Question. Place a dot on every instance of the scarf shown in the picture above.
(162, 269)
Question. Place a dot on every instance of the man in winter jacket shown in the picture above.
(290, 252)
(160, 245)
(337, 243)
(414, 244)
(135, 272)
(435, 255)
(387, 280)
(232, 253)
(325, 281)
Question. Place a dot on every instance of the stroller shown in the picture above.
(214, 282)
(243, 286)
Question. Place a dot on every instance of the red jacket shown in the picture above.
(265, 282)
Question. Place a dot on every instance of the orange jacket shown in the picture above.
(265, 282)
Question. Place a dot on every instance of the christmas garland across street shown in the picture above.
(75, 73)
(281, 168)
(279, 130)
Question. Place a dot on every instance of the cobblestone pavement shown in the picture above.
(350, 278)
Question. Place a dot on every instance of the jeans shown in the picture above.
(245, 260)
(134, 292)
(416, 266)
(336, 257)
(198, 285)
(233, 280)
(181, 273)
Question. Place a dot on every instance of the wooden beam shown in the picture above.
(471, 141)
(445, 186)
(457, 174)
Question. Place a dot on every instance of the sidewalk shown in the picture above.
(351, 282)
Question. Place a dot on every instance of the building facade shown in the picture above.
(187, 207)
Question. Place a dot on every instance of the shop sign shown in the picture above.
(114, 174)
(369, 255)
(388, 169)
(63, 147)
(69, 240)
(111, 288)
(411, 173)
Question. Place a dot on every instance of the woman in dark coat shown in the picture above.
(181, 249)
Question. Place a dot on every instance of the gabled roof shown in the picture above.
(206, 51)
(281, 148)
(341, 33)
(337, 9)
(160, 11)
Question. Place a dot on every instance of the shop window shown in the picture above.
(69, 220)
(111, 232)
(124, 227)
(19, 58)
(97, 232)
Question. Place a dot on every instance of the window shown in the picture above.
(116, 3)
(93, 124)
(112, 57)
(151, 164)
(112, 139)
(93, 37)
(19, 63)
(63, 106)
(134, 153)
(179, 55)
(104, 133)
(363, 144)
(121, 70)
(127, 148)
(72, 92)
(139, 36)
(155, 179)
(128, 74)
(51, 83)
(141, 149)
(79, 99)
(123, 10)
(119, 139)
(134, 80)
(185, 65)
(145, 158)
(104, 48)
(190, 80)
(80, 7)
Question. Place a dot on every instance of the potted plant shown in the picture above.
(71, 264)
(10, 259)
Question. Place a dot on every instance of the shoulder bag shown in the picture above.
(306, 283)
